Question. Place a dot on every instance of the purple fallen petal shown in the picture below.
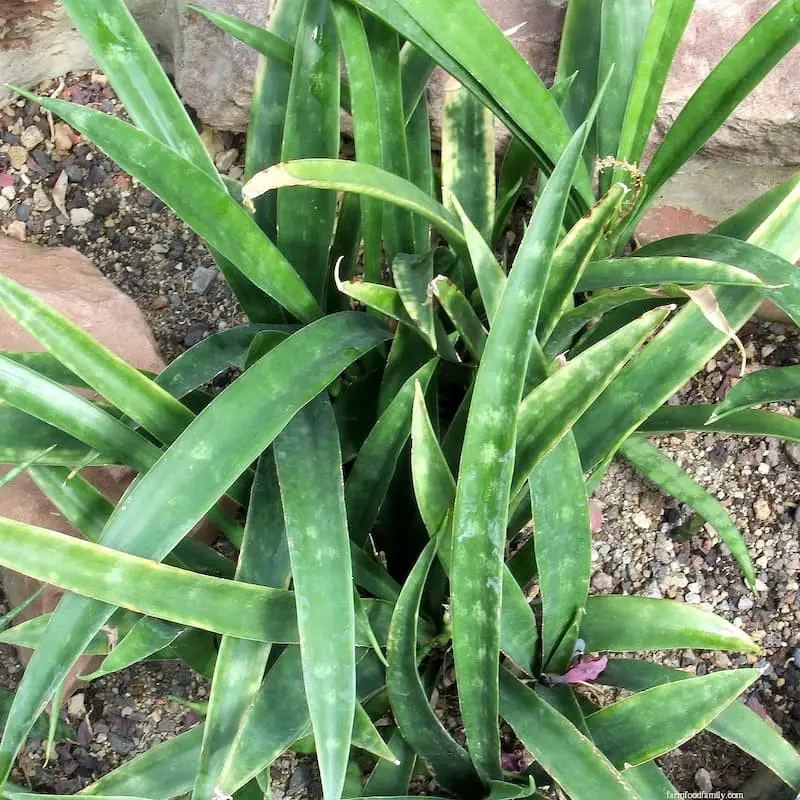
(585, 670)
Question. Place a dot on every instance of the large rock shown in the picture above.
(67, 281)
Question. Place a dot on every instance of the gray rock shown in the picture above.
(301, 779)
(202, 278)
(80, 217)
(703, 780)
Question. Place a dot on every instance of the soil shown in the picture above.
(638, 549)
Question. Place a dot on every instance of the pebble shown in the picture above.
(703, 780)
(745, 603)
(24, 212)
(41, 202)
(63, 137)
(31, 137)
(301, 779)
(762, 510)
(793, 451)
(80, 217)
(5, 205)
(9, 192)
(159, 302)
(225, 160)
(18, 156)
(17, 230)
(602, 582)
(641, 520)
(202, 278)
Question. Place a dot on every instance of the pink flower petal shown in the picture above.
(587, 669)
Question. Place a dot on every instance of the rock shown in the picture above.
(5, 205)
(301, 779)
(18, 156)
(80, 217)
(602, 582)
(17, 230)
(66, 280)
(762, 510)
(225, 160)
(793, 452)
(41, 202)
(745, 603)
(703, 780)
(202, 278)
(24, 212)
(63, 137)
(212, 140)
(31, 137)
(641, 520)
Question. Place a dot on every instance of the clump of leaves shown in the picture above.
(408, 404)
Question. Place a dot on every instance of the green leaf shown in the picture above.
(649, 782)
(183, 473)
(386, 778)
(572, 256)
(420, 168)
(46, 365)
(207, 208)
(737, 723)
(673, 480)
(363, 179)
(758, 388)
(366, 737)
(733, 79)
(551, 409)
(163, 772)
(461, 314)
(311, 129)
(562, 750)
(376, 462)
(650, 723)
(125, 387)
(262, 41)
(384, 47)
(623, 26)
(563, 544)
(366, 124)
(263, 561)
(676, 419)
(617, 623)
(644, 271)
(665, 28)
(487, 464)
(416, 67)
(468, 156)
(435, 491)
(138, 78)
(416, 719)
(412, 278)
(268, 110)
(495, 71)
(309, 445)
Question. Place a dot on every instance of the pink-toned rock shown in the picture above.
(67, 281)
(667, 221)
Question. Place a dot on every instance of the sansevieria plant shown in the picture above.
(408, 403)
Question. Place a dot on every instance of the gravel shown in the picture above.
(645, 544)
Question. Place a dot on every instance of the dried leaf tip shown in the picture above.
(275, 177)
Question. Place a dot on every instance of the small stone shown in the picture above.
(235, 172)
(159, 303)
(120, 744)
(721, 660)
(41, 202)
(44, 161)
(9, 192)
(31, 137)
(703, 780)
(194, 335)
(63, 137)
(106, 206)
(5, 205)
(762, 510)
(653, 590)
(301, 779)
(212, 140)
(602, 582)
(17, 230)
(745, 603)
(225, 160)
(76, 706)
(202, 278)
(18, 156)
(79, 217)
(75, 173)
(693, 598)
(793, 452)
(641, 520)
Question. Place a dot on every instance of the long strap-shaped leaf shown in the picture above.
(666, 474)
(217, 447)
(435, 490)
(311, 130)
(264, 561)
(681, 349)
(127, 388)
(618, 623)
(567, 755)
(496, 71)
(737, 723)
(416, 719)
(138, 78)
(758, 388)
(486, 471)
(376, 462)
(207, 208)
(308, 461)
(650, 723)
